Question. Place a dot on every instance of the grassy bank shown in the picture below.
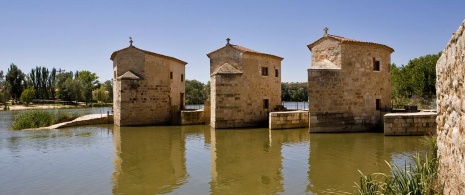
(419, 177)
(39, 118)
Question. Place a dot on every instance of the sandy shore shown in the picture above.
(38, 107)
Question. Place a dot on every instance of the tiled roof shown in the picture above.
(128, 76)
(226, 69)
(244, 49)
(113, 55)
(347, 40)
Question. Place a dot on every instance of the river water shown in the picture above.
(107, 159)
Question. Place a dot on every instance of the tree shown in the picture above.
(296, 92)
(27, 95)
(73, 88)
(4, 94)
(101, 95)
(89, 82)
(109, 87)
(15, 79)
(194, 92)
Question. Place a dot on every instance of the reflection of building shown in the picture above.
(243, 160)
(245, 86)
(348, 84)
(148, 87)
(148, 161)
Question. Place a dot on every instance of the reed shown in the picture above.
(39, 118)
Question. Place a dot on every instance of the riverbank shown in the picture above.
(52, 106)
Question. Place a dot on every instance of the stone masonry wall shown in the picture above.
(343, 100)
(288, 120)
(450, 88)
(237, 99)
(192, 117)
(421, 123)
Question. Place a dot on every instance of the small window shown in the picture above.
(378, 104)
(266, 103)
(264, 71)
(276, 72)
(171, 75)
(182, 77)
(376, 65)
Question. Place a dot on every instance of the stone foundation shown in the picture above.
(420, 123)
(288, 120)
(192, 117)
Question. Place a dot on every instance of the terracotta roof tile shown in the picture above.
(346, 40)
(113, 55)
(244, 49)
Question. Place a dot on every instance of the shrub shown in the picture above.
(38, 118)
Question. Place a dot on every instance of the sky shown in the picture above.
(82, 35)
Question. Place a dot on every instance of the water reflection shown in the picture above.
(148, 161)
(335, 158)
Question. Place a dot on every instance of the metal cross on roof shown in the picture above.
(326, 30)
(130, 41)
(228, 39)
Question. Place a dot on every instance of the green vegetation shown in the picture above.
(416, 79)
(196, 92)
(417, 178)
(39, 118)
(27, 95)
(294, 92)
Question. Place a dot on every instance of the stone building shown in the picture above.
(245, 86)
(450, 71)
(148, 87)
(348, 84)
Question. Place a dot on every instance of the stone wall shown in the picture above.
(288, 120)
(148, 96)
(420, 123)
(344, 87)
(192, 117)
(450, 70)
(237, 95)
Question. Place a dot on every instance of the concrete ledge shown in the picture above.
(192, 117)
(288, 120)
(91, 119)
(418, 123)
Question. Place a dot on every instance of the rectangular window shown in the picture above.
(264, 71)
(276, 72)
(376, 65)
(378, 104)
(266, 103)
(182, 77)
(171, 75)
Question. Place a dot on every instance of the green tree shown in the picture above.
(4, 94)
(108, 84)
(27, 95)
(195, 92)
(100, 94)
(296, 92)
(61, 79)
(16, 80)
(89, 82)
(73, 88)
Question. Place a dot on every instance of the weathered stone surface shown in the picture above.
(450, 70)
(344, 85)
(288, 120)
(239, 86)
(192, 117)
(420, 123)
(148, 88)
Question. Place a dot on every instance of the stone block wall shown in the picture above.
(192, 117)
(288, 120)
(421, 123)
(344, 96)
(450, 88)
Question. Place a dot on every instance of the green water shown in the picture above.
(107, 159)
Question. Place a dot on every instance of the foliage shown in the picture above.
(108, 84)
(296, 92)
(40, 118)
(100, 95)
(417, 178)
(88, 82)
(16, 80)
(74, 89)
(27, 95)
(4, 93)
(43, 81)
(61, 79)
(195, 92)
(418, 78)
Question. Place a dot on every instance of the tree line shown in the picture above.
(45, 84)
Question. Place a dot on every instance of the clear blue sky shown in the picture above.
(81, 35)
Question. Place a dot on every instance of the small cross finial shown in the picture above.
(326, 30)
(130, 41)
(227, 40)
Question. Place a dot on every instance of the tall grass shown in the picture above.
(419, 177)
(39, 118)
